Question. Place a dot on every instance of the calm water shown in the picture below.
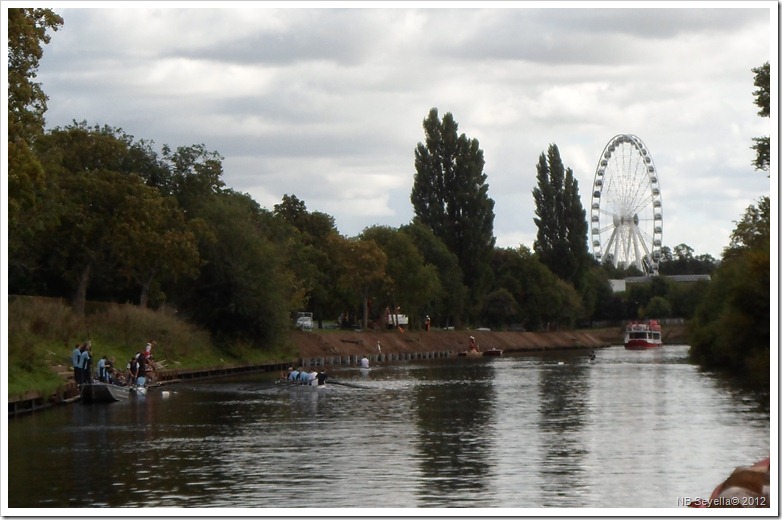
(630, 430)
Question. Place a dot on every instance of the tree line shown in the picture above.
(98, 215)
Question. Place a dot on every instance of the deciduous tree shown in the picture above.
(361, 270)
(27, 208)
(446, 308)
(412, 283)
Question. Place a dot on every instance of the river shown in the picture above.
(628, 430)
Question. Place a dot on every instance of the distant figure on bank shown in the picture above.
(428, 323)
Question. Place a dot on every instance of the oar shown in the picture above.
(351, 385)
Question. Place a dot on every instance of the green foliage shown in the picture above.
(561, 220)
(193, 174)
(543, 301)
(500, 310)
(657, 308)
(685, 297)
(731, 329)
(306, 238)
(27, 209)
(243, 291)
(762, 95)
(109, 226)
(596, 294)
(450, 196)
(682, 261)
(753, 230)
(412, 284)
(361, 271)
(27, 32)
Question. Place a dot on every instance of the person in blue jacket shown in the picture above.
(76, 362)
(85, 364)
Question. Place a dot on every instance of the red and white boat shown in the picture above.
(641, 335)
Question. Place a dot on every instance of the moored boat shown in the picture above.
(104, 393)
(643, 335)
(492, 352)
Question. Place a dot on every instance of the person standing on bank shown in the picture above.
(85, 364)
(132, 371)
(76, 362)
(102, 373)
(141, 380)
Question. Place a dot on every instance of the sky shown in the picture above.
(326, 101)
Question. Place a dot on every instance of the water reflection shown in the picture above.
(454, 411)
(633, 429)
(564, 390)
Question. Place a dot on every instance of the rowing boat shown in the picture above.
(104, 393)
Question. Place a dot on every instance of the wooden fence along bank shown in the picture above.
(337, 348)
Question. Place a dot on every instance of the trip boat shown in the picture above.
(643, 335)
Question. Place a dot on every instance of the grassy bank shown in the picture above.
(42, 332)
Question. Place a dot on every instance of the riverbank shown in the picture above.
(328, 344)
(337, 347)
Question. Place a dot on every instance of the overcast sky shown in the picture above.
(328, 103)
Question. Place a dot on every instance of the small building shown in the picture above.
(621, 285)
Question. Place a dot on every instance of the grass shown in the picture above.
(42, 333)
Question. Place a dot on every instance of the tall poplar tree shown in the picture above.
(763, 101)
(450, 196)
(561, 242)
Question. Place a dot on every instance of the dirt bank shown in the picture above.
(318, 344)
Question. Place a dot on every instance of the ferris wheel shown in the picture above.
(627, 209)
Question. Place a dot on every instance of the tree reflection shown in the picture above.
(564, 391)
(452, 437)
